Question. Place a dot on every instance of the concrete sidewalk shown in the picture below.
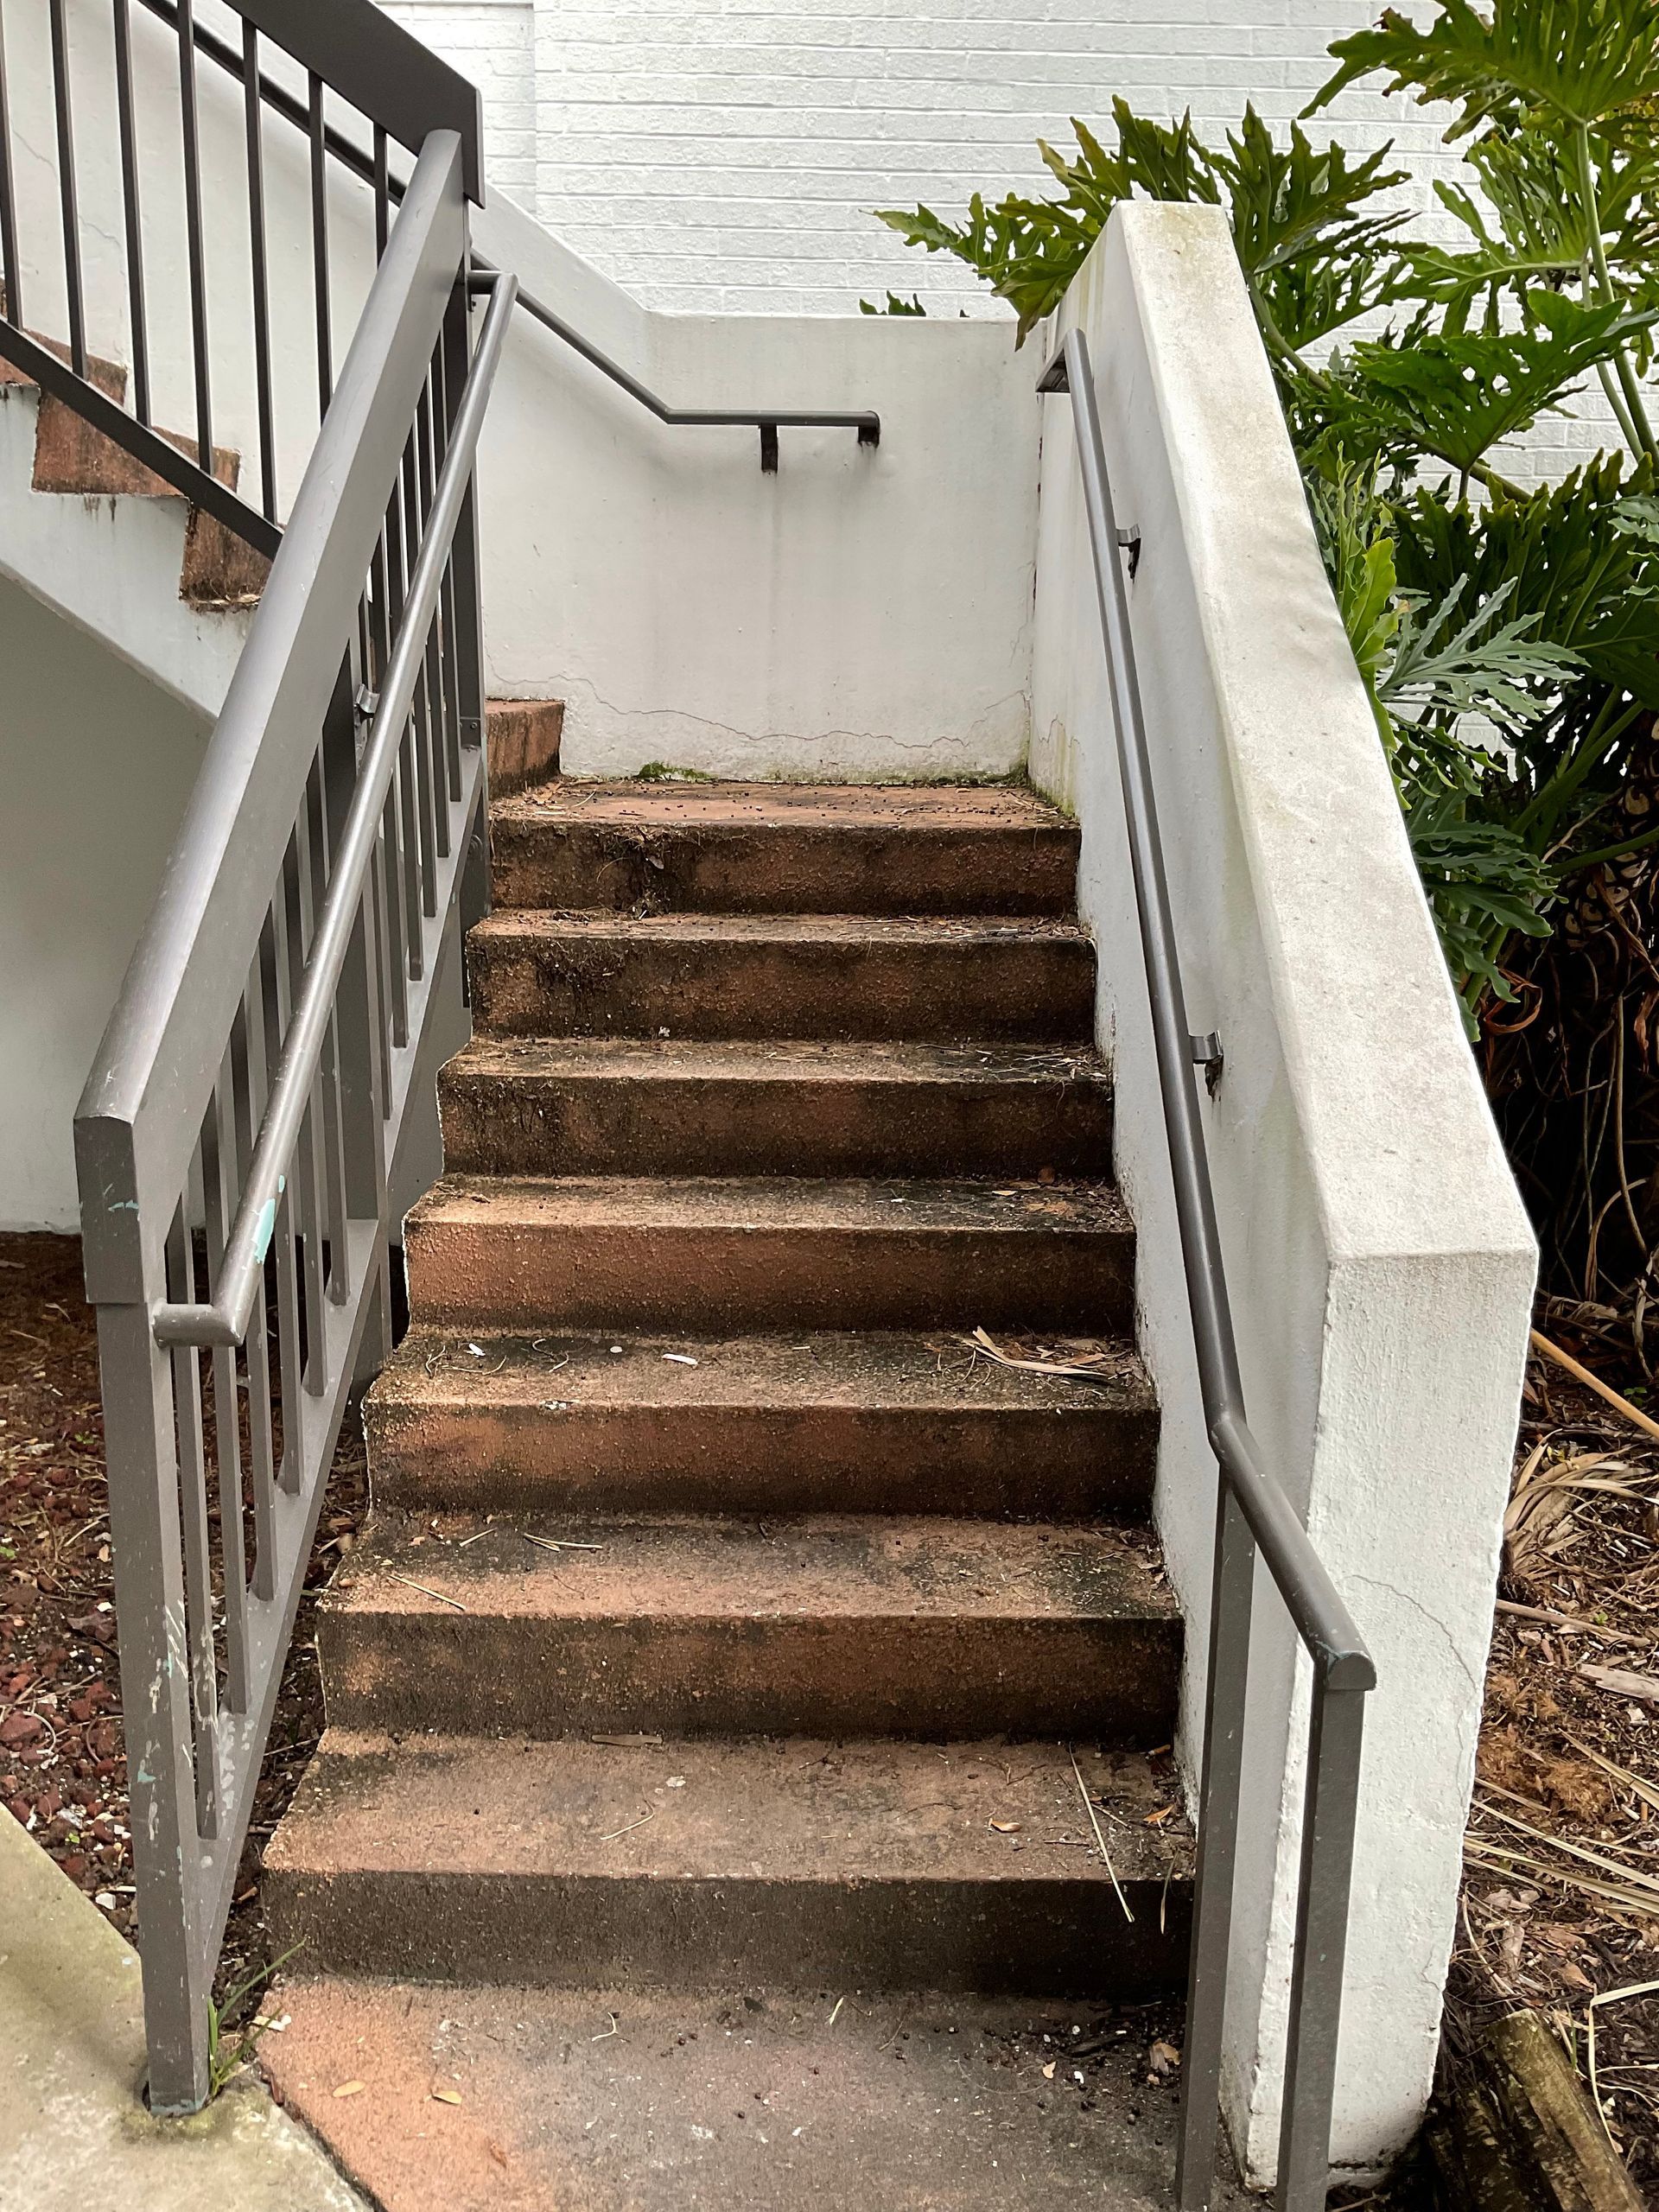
(73, 2134)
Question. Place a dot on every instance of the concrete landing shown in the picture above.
(74, 2136)
(538, 2101)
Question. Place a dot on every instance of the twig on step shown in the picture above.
(1088, 1808)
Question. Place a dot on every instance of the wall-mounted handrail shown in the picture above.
(1254, 1515)
(242, 1269)
(767, 420)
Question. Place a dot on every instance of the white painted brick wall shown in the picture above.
(493, 42)
(723, 155)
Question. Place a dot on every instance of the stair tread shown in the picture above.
(602, 2097)
(549, 924)
(643, 1567)
(778, 1808)
(888, 808)
(883, 1370)
(888, 1204)
(759, 1060)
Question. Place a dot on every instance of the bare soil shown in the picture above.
(62, 1767)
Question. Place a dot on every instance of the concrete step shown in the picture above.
(826, 1625)
(795, 1864)
(951, 980)
(711, 1255)
(667, 1106)
(790, 849)
(824, 1424)
(723, 2099)
(525, 736)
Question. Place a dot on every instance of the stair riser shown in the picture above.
(743, 1460)
(715, 1280)
(785, 869)
(1113, 1681)
(1030, 1938)
(604, 1125)
(956, 991)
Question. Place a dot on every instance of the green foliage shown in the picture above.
(894, 306)
(1508, 638)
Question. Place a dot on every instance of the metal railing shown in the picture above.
(240, 1129)
(380, 83)
(1253, 1517)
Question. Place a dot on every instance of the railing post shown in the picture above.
(1232, 1583)
(1328, 1822)
(469, 620)
(146, 1546)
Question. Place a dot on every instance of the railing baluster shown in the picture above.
(63, 106)
(420, 713)
(249, 1036)
(1232, 1579)
(399, 560)
(290, 1389)
(198, 1572)
(446, 598)
(382, 194)
(431, 691)
(138, 329)
(305, 1175)
(10, 267)
(320, 245)
(331, 1129)
(219, 1186)
(254, 128)
(194, 241)
(1328, 1822)
(394, 936)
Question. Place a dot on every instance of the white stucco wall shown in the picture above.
(97, 764)
(1379, 1263)
(859, 613)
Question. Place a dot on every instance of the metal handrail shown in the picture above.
(768, 420)
(1253, 1515)
(242, 1269)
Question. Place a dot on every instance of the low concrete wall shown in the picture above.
(857, 614)
(1380, 1262)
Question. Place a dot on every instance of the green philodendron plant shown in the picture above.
(1508, 636)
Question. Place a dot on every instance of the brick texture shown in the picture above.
(723, 155)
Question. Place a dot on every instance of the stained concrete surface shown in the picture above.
(74, 2135)
(541, 2100)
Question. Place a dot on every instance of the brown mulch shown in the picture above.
(62, 1767)
(1561, 1893)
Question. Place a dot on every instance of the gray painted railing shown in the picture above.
(1253, 1517)
(241, 1126)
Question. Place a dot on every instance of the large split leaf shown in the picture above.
(1573, 63)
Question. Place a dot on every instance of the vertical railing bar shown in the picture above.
(218, 1192)
(1232, 1581)
(198, 1572)
(332, 1129)
(420, 710)
(446, 597)
(400, 559)
(290, 1467)
(382, 194)
(253, 117)
(306, 1174)
(132, 212)
(261, 1466)
(320, 245)
(381, 630)
(1328, 1822)
(431, 673)
(196, 247)
(11, 268)
(64, 113)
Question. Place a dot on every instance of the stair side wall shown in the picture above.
(1381, 1264)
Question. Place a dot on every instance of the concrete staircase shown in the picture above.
(727, 1620)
